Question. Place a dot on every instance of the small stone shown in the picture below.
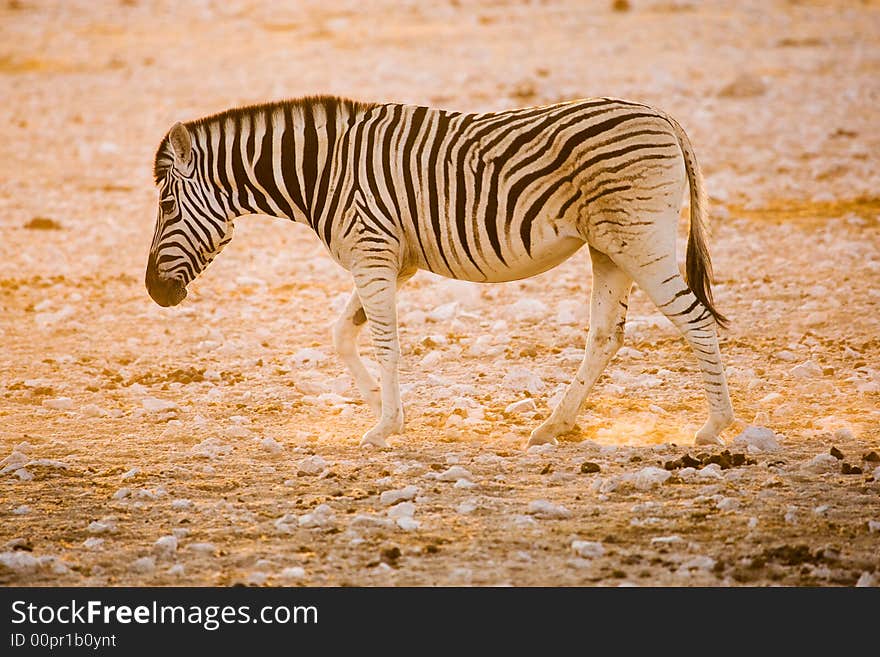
(22, 510)
(847, 469)
(587, 549)
(272, 446)
(760, 438)
(866, 580)
(836, 453)
(874, 526)
(19, 562)
(545, 509)
(166, 545)
(648, 477)
(822, 463)
(728, 504)
(806, 370)
(745, 85)
(97, 527)
(143, 566)
(202, 548)
(667, 540)
(464, 484)
(154, 405)
(588, 467)
(321, 516)
(121, 494)
(312, 465)
(294, 572)
(844, 433)
(177, 570)
(93, 543)
(871, 457)
(402, 510)
(390, 497)
(455, 473)
(181, 504)
(58, 404)
(407, 523)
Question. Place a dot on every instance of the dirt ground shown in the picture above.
(220, 427)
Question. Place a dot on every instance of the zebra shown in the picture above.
(391, 189)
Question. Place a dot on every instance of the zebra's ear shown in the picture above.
(181, 144)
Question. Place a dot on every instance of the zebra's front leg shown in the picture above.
(611, 286)
(377, 289)
(345, 334)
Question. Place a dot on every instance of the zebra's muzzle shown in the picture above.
(166, 292)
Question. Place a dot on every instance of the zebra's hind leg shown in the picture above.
(345, 333)
(611, 286)
(377, 289)
(666, 287)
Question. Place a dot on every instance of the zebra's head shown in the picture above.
(191, 227)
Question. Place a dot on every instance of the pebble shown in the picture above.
(455, 473)
(121, 494)
(58, 404)
(93, 410)
(520, 379)
(402, 510)
(97, 527)
(528, 309)
(177, 570)
(143, 566)
(202, 548)
(711, 471)
(806, 370)
(545, 509)
(272, 446)
(155, 405)
(822, 463)
(757, 437)
(22, 510)
(466, 507)
(874, 526)
(93, 543)
(667, 540)
(312, 465)
(211, 448)
(745, 85)
(407, 523)
(728, 504)
(166, 545)
(587, 549)
(19, 562)
(369, 521)
(844, 433)
(866, 580)
(699, 562)
(390, 497)
(321, 516)
(464, 484)
(181, 504)
(648, 477)
(293, 572)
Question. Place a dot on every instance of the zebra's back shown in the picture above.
(502, 196)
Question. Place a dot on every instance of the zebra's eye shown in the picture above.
(168, 205)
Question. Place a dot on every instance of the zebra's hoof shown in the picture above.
(707, 440)
(542, 436)
(374, 441)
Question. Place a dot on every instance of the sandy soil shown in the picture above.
(227, 422)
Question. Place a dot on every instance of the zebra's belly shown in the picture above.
(518, 265)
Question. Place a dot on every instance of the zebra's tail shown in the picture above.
(698, 264)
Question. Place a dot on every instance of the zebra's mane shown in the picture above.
(164, 156)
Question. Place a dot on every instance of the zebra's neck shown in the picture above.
(281, 159)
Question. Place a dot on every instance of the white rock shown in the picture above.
(155, 405)
(522, 406)
(466, 507)
(22, 510)
(394, 496)
(786, 355)
(177, 570)
(866, 580)
(402, 510)
(15, 461)
(444, 313)
(667, 540)
(791, 515)
(237, 431)
(312, 465)
(568, 313)
(294, 572)
(806, 370)
(455, 473)
(272, 446)
(131, 473)
(520, 379)
(711, 471)
(822, 463)
(97, 527)
(308, 357)
(211, 448)
(699, 562)
(19, 562)
(874, 526)
(587, 549)
(93, 543)
(181, 504)
(761, 438)
(202, 548)
(371, 522)
(166, 545)
(321, 516)
(464, 484)
(648, 477)
(876, 473)
(93, 410)
(728, 504)
(144, 565)
(59, 403)
(844, 433)
(24, 474)
(528, 309)
(545, 509)
(408, 524)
